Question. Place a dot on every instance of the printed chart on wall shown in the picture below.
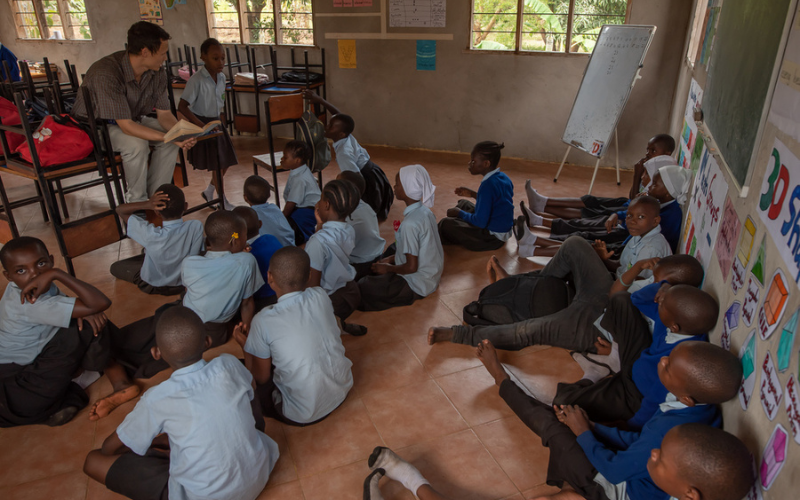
(150, 11)
(417, 13)
(728, 237)
(689, 132)
(747, 355)
(774, 457)
(170, 4)
(777, 208)
(352, 3)
(785, 109)
(705, 210)
(743, 255)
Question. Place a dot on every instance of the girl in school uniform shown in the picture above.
(329, 250)
(301, 193)
(413, 270)
(202, 101)
(486, 224)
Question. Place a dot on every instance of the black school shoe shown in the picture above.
(519, 228)
(62, 416)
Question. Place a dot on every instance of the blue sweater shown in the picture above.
(262, 249)
(671, 220)
(622, 455)
(494, 205)
(645, 369)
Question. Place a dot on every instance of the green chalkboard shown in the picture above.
(739, 75)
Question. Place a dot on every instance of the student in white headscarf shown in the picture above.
(413, 269)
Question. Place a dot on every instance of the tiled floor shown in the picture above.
(437, 406)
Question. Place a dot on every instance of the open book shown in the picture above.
(184, 130)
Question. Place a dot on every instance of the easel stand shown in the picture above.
(596, 165)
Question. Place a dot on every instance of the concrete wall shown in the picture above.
(523, 100)
(753, 426)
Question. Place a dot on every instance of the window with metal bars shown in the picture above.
(51, 19)
(274, 22)
(559, 26)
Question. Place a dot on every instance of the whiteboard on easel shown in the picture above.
(612, 70)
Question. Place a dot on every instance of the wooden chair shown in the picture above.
(76, 237)
(243, 122)
(279, 110)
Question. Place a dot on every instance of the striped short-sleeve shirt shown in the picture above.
(116, 95)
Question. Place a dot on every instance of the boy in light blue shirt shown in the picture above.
(301, 192)
(256, 194)
(294, 348)
(193, 436)
(222, 283)
(157, 270)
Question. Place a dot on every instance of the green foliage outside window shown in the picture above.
(544, 24)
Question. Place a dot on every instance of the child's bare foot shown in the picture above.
(490, 269)
(488, 356)
(439, 334)
(498, 269)
(106, 405)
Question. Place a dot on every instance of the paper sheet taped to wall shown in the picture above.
(417, 13)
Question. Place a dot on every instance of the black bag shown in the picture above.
(517, 298)
(300, 77)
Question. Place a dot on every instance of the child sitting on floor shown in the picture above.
(698, 461)
(414, 269)
(262, 247)
(193, 435)
(223, 281)
(351, 156)
(157, 270)
(486, 224)
(329, 250)
(256, 194)
(369, 244)
(294, 348)
(46, 338)
(595, 459)
(677, 313)
(301, 192)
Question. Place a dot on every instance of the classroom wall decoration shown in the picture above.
(758, 266)
(771, 311)
(747, 354)
(689, 131)
(352, 3)
(417, 13)
(786, 344)
(755, 490)
(792, 402)
(170, 4)
(730, 323)
(751, 295)
(728, 237)
(778, 205)
(771, 389)
(774, 456)
(347, 54)
(704, 210)
(743, 255)
(426, 55)
(784, 111)
(150, 11)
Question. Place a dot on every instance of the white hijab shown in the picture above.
(417, 184)
(676, 179)
(652, 165)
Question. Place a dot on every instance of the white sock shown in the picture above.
(536, 220)
(535, 200)
(612, 360)
(527, 243)
(209, 192)
(398, 469)
(371, 489)
(228, 205)
(86, 379)
(591, 371)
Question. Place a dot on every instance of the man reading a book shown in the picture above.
(125, 88)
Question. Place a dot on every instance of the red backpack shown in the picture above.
(59, 139)
(10, 116)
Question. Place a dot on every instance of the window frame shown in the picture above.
(241, 6)
(518, 32)
(63, 13)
